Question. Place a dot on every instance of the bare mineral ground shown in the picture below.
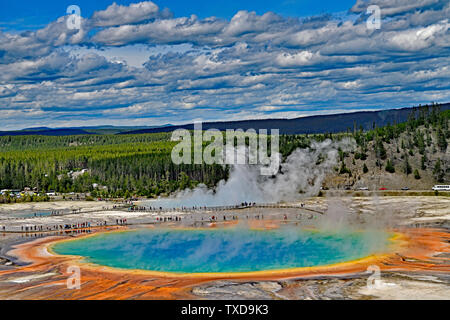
(420, 274)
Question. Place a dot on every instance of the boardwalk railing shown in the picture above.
(223, 208)
(163, 210)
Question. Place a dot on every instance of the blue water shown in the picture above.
(222, 250)
(37, 214)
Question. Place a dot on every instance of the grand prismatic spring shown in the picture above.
(224, 250)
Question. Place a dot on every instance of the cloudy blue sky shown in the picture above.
(173, 61)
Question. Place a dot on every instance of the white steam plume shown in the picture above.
(301, 175)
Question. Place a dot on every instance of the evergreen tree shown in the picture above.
(438, 172)
(380, 150)
(389, 167)
(441, 140)
(423, 162)
(344, 169)
(407, 167)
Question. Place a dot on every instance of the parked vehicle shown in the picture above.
(363, 188)
(383, 188)
(441, 188)
(405, 188)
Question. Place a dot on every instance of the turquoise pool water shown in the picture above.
(222, 250)
(38, 214)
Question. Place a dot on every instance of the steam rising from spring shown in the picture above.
(301, 175)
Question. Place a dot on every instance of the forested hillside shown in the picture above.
(414, 152)
(125, 165)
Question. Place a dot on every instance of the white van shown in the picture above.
(441, 188)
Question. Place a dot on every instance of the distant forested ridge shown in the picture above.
(333, 123)
(45, 132)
